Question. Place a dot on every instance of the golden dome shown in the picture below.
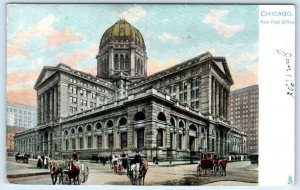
(122, 30)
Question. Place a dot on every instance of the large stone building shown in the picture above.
(171, 113)
(21, 115)
(244, 106)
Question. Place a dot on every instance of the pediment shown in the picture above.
(44, 75)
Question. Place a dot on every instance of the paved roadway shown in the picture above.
(238, 173)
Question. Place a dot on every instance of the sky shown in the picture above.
(41, 35)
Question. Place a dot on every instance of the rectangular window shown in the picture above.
(90, 142)
(110, 140)
(140, 138)
(81, 143)
(75, 100)
(123, 140)
(180, 141)
(99, 141)
(193, 104)
(71, 99)
(73, 144)
(192, 94)
(181, 97)
(67, 144)
(197, 105)
(197, 93)
(185, 96)
(160, 138)
(74, 90)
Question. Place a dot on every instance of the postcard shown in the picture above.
(150, 94)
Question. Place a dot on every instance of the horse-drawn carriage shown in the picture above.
(67, 171)
(136, 174)
(210, 164)
(22, 158)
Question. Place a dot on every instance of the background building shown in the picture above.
(10, 134)
(21, 115)
(244, 113)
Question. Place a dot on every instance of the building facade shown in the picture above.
(10, 140)
(168, 114)
(21, 115)
(244, 114)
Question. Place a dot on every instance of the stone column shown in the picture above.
(221, 101)
(55, 102)
(51, 104)
(42, 108)
(132, 62)
(111, 62)
(38, 109)
(212, 92)
(49, 145)
(227, 107)
(217, 100)
(119, 62)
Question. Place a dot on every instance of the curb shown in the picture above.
(26, 175)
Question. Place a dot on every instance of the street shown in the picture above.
(238, 173)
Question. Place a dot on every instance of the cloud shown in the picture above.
(43, 29)
(155, 66)
(14, 51)
(214, 18)
(92, 70)
(242, 61)
(22, 96)
(16, 78)
(58, 38)
(76, 57)
(245, 78)
(168, 37)
(134, 14)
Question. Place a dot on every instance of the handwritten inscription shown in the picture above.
(289, 79)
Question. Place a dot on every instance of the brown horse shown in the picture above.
(55, 171)
(143, 172)
(73, 173)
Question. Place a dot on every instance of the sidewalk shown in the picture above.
(15, 170)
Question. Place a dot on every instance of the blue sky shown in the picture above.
(39, 35)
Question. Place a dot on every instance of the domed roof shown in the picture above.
(122, 30)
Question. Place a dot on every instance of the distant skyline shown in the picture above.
(41, 34)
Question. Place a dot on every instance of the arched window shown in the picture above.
(139, 116)
(123, 121)
(116, 62)
(122, 62)
(72, 131)
(89, 128)
(161, 116)
(109, 124)
(181, 124)
(80, 130)
(66, 132)
(98, 126)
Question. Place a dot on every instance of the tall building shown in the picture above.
(168, 114)
(244, 113)
(21, 115)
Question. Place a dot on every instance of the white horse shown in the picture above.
(135, 169)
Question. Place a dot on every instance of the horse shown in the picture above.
(134, 173)
(73, 172)
(222, 167)
(143, 172)
(55, 171)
